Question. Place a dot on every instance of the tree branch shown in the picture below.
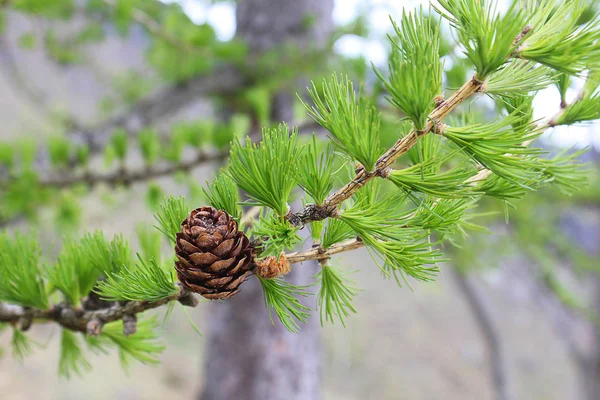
(155, 28)
(223, 80)
(77, 319)
(127, 177)
(319, 254)
(329, 207)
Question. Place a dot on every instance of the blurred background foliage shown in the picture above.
(108, 105)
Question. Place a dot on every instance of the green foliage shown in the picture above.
(54, 9)
(150, 242)
(501, 148)
(350, 118)
(336, 231)
(143, 346)
(82, 155)
(119, 142)
(193, 55)
(81, 262)
(446, 217)
(487, 35)
(557, 40)
(403, 250)
(277, 234)
(315, 171)
(61, 51)
(584, 109)
(170, 215)
(20, 276)
(131, 86)
(415, 68)
(335, 296)
(72, 360)
(7, 154)
(146, 281)
(565, 172)
(59, 149)
(149, 145)
(68, 212)
(428, 178)
(264, 170)
(223, 194)
(73, 273)
(195, 133)
(107, 257)
(259, 99)
(519, 77)
(22, 346)
(154, 196)
(282, 297)
(27, 41)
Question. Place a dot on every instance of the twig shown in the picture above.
(123, 176)
(319, 254)
(330, 205)
(550, 123)
(91, 322)
(250, 215)
(155, 28)
(489, 332)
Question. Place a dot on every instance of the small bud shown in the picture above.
(94, 327)
(272, 267)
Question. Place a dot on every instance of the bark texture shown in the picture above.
(247, 357)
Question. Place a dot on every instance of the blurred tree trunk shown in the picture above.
(246, 356)
(588, 360)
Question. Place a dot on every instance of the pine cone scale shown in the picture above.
(203, 258)
(213, 256)
(221, 266)
(224, 248)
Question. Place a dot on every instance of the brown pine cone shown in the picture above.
(213, 256)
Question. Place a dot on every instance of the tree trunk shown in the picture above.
(588, 361)
(247, 357)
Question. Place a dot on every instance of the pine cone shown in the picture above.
(213, 256)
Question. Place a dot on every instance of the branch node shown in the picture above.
(385, 172)
(358, 167)
(25, 321)
(94, 327)
(187, 298)
(521, 36)
(129, 324)
(439, 100)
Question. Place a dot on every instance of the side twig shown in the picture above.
(330, 205)
(123, 176)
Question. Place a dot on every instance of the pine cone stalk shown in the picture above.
(213, 256)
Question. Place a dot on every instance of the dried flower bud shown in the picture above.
(272, 267)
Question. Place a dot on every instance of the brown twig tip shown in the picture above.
(526, 31)
(358, 167)
(439, 100)
(186, 298)
(439, 129)
(129, 324)
(385, 172)
(272, 267)
(94, 327)
(483, 87)
(563, 104)
(25, 322)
